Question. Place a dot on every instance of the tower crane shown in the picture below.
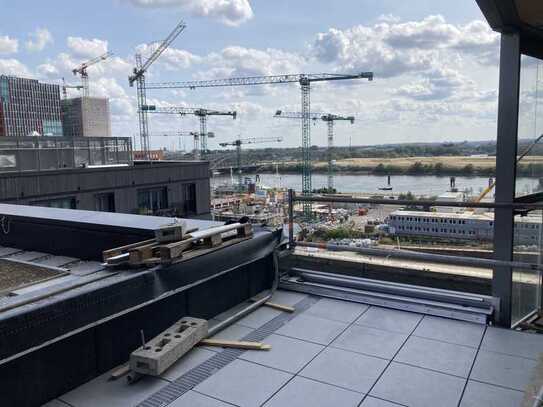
(199, 112)
(82, 70)
(65, 87)
(138, 76)
(304, 80)
(239, 142)
(329, 118)
(194, 134)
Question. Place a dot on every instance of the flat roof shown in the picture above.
(333, 352)
(110, 219)
(463, 215)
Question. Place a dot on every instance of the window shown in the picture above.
(153, 199)
(105, 202)
(64, 203)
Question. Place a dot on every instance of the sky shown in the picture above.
(435, 63)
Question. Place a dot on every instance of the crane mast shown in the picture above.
(194, 134)
(329, 119)
(239, 142)
(82, 70)
(138, 76)
(199, 112)
(304, 80)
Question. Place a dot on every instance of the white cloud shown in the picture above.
(13, 66)
(241, 61)
(39, 39)
(172, 58)
(86, 48)
(395, 48)
(8, 45)
(229, 12)
(48, 71)
(441, 83)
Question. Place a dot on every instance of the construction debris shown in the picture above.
(234, 344)
(164, 248)
(157, 355)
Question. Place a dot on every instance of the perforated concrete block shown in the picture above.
(165, 349)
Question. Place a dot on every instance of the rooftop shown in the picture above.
(333, 352)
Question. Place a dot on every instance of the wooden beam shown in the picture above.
(234, 344)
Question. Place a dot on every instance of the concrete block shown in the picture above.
(165, 349)
(172, 232)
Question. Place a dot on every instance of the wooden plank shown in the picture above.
(141, 253)
(190, 254)
(172, 251)
(280, 307)
(120, 372)
(245, 230)
(213, 240)
(234, 344)
(120, 250)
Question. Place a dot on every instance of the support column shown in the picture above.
(506, 154)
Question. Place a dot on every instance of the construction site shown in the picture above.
(133, 276)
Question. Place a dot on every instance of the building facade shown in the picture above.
(29, 107)
(161, 188)
(464, 226)
(86, 117)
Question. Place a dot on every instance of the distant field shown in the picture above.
(450, 162)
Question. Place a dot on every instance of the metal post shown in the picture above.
(203, 134)
(290, 218)
(306, 144)
(506, 155)
(329, 154)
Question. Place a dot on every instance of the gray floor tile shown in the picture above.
(231, 311)
(345, 369)
(6, 251)
(302, 392)
(233, 333)
(373, 402)
(449, 330)
(418, 387)
(342, 311)
(193, 399)
(444, 357)
(514, 343)
(243, 383)
(259, 317)
(485, 395)
(390, 320)
(117, 393)
(503, 370)
(287, 297)
(187, 362)
(370, 341)
(287, 354)
(313, 329)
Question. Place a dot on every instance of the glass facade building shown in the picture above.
(29, 107)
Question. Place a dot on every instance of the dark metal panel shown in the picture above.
(506, 156)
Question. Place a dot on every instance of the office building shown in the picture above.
(29, 107)
(86, 117)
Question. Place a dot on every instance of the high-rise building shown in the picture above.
(86, 117)
(29, 107)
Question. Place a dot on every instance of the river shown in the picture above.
(419, 185)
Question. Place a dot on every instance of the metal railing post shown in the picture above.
(290, 218)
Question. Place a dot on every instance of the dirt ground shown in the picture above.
(14, 274)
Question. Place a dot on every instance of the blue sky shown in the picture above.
(435, 62)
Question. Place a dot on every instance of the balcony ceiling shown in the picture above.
(523, 16)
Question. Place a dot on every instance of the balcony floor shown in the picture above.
(337, 353)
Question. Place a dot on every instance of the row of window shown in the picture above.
(430, 220)
(437, 230)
